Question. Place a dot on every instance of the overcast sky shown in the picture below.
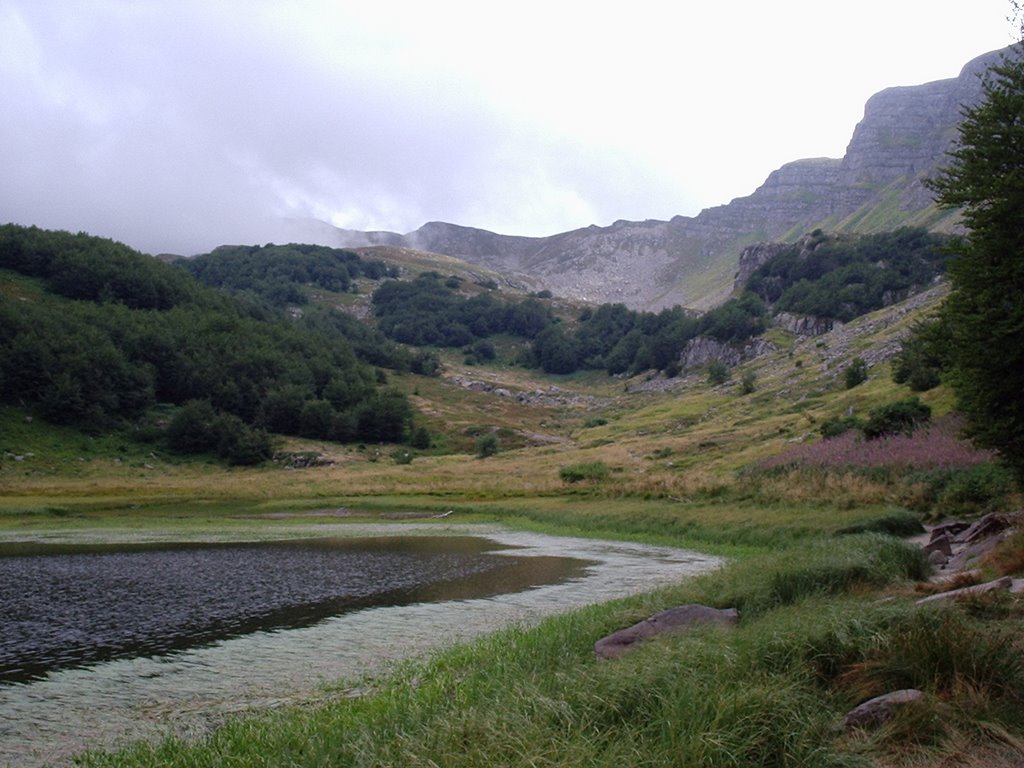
(175, 126)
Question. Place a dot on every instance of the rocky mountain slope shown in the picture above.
(876, 186)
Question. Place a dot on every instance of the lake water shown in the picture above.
(105, 643)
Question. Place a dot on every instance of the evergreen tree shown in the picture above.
(985, 311)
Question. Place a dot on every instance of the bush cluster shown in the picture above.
(575, 473)
(843, 278)
(280, 274)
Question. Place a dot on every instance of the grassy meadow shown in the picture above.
(819, 571)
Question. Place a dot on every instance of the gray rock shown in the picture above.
(971, 553)
(940, 544)
(805, 325)
(949, 529)
(990, 524)
(703, 350)
(674, 620)
(1004, 583)
(880, 710)
(937, 559)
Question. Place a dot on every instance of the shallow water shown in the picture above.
(66, 606)
(188, 691)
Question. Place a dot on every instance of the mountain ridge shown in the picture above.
(877, 185)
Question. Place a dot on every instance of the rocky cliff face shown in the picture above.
(878, 185)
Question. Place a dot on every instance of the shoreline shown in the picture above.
(189, 694)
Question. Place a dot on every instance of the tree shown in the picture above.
(922, 356)
(984, 311)
(856, 373)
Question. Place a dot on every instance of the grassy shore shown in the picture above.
(815, 639)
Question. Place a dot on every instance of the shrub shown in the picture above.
(198, 427)
(718, 372)
(973, 490)
(896, 524)
(856, 373)
(240, 444)
(191, 428)
(901, 417)
(748, 383)
(837, 426)
(421, 438)
(920, 361)
(595, 470)
(402, 456)
(486, 445)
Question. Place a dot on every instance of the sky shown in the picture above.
(179, 125)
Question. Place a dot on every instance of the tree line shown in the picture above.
(434, 311)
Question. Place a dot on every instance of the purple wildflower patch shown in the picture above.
(937, 446)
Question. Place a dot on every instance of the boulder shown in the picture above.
(880, 710)
(941, 544)
(973, 552)
(1004, 583)
(951, 528)
(956, 545)
(674, 620)
(988, 526)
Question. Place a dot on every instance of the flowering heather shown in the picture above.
(937, 446)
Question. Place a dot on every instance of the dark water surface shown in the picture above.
(66, 606)
(144, 641)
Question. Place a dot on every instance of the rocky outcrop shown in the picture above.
(702, 350)
(752, 258)
(902, 138)
(956, 546)
(805, 325)
(675, 620)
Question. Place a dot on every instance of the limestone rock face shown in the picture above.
(703, 350)
(877, 186)
(805, 325)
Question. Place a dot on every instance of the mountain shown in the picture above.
(876, 186)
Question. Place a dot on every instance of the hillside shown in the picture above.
(875, 186)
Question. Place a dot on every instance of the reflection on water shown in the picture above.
(66, 606)
(188, 691)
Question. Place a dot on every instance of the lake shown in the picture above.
(107, 641)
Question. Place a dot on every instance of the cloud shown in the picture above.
(176, 126)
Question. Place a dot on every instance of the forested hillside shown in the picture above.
(844, 277)
(279, 274)
(833, 277)
(96, 335)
